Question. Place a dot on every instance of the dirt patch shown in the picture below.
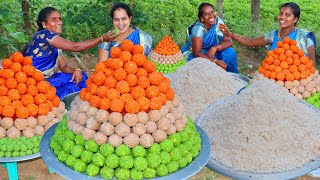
(34, 169)
(249, 59)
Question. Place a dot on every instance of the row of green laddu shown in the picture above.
(169, 68)
(21, 146)
(85, 156)
(314, 99)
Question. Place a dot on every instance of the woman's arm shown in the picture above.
(226, 42)
(65, 67)
(197, 47)
(67, 45)
(196, 50)
(103, 55)
(251, 42)
(312, 54)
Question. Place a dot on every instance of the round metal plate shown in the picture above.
(23, 158)
(68, 99)
(242, 175)
(63, 170)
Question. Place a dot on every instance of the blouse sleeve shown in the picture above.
(48, 35)
(105, 46)
(269, 36)
(310, 40)
(197, 31)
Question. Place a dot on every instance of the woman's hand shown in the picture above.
(224, 29)
(221, 64)
(76, 76)
(212, 51)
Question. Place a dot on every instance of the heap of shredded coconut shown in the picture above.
(200, 83)
(263, 129)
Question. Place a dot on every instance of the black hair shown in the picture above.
(200, 9)
(120, 6)
(43, 16)
(294, 8)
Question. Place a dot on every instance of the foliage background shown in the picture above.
(85, 19)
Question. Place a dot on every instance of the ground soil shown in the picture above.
(249, 59)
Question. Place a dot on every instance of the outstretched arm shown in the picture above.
(67, 45)
(251, 42)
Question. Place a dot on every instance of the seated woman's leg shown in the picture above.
(229, 56)
(61, 81)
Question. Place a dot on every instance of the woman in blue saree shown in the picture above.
(121, 17)
(46, 52)
(287, 19)
(204, 39)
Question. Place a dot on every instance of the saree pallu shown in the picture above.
(303, 38)
(137, 37)
(211, 38)
(61, 81)
(48, 65)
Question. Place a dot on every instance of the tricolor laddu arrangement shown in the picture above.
(28, 106)
(127, 123)
(167, 56)
(288, 66)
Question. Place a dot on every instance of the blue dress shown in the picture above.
(303, 38)
(137, 37)
(211, 38)
(46, 59)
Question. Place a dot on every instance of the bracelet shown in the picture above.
(101, 39)
(219, 47)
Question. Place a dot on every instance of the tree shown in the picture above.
(26, 17)
(255, 11)
(219, 8)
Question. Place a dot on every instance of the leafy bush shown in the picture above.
(11, 23)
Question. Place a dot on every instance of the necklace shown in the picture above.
(279, 33)
(205, 27)
(124, 35)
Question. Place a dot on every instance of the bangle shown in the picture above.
(101, 39)
(219, 47)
